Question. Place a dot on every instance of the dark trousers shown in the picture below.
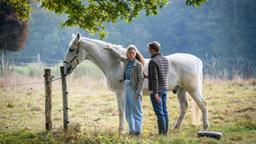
(160, 109)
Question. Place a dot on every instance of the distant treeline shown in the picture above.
(221, 33)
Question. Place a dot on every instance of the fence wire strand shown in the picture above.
(24, 84)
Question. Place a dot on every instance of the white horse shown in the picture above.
(185, 75)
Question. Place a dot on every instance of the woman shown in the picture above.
(133, 81)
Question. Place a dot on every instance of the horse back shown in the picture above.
(185, 63)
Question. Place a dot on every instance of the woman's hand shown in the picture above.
(107, 47)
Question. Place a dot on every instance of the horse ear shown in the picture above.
(77, 36)
(73, 35)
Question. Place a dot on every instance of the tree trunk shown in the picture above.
(5, 64)
(7, 61)
(2, 62)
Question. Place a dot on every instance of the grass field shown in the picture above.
(93, 113)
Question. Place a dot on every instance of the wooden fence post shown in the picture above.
(48, 99)
(64, 98)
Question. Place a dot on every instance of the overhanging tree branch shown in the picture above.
(91, 14)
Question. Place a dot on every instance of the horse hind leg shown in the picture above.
(183, 101)
(200, 101)
(120, 105)
(196, 117)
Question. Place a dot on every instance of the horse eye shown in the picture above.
(71, 50)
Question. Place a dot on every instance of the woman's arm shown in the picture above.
(116, 53)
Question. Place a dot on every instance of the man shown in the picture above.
(157, 83)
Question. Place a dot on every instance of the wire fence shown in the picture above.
(24, 84)
(31, 109)
(12, 116)
(18, 115)
(20, 60)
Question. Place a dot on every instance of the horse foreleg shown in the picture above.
(183, 101)
(120, 105)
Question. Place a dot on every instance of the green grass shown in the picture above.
(93, 114)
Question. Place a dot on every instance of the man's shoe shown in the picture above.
(163, 134)
(137, 134)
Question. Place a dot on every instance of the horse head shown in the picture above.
(74, 55)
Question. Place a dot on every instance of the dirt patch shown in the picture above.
(247, 117)
(236, 101)
(230, 92)
(253, 83)
(107, 111)
(245, 110)
(36, 109)
(218, 117)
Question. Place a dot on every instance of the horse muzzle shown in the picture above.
(67, 68)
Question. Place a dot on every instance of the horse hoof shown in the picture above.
(205, 128)
(176, 130)
(176, 127)
(121, 131)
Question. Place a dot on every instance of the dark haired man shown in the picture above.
(157, 83)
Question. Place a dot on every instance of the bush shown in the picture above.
(32, 69)
(88, 69)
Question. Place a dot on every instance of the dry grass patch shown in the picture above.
(93, 113)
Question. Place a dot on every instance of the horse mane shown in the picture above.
(119, 48)
(103, 43)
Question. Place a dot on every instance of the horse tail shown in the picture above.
(200, 77)
(196, 114)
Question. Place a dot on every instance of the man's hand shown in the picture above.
(157, 98)
(145, 75)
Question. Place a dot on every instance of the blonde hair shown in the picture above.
(138, 56)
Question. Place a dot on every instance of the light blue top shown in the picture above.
(128, 70)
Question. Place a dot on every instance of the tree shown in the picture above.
(13, 32)
(91, 15)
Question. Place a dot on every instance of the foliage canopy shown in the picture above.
(91, 15)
